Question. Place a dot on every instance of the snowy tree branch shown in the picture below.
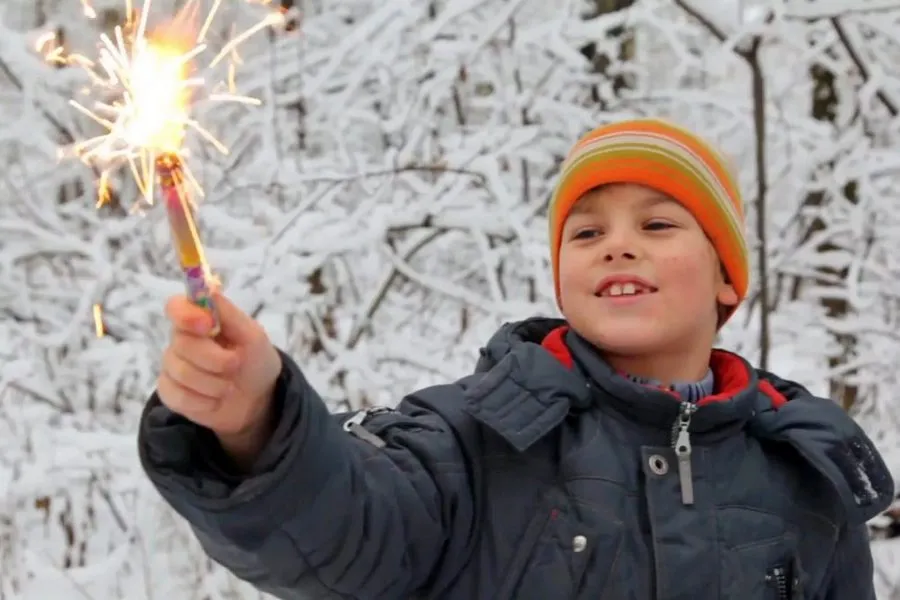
(864, 71)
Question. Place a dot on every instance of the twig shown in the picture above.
(697, 15)
(117, 516)
(864, 71)
(63, 408)
(62, 131)
(378, 297)
(432, 169)
(822, 10)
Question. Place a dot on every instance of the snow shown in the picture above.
(382, 213)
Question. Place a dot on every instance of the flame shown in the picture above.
(160, 100)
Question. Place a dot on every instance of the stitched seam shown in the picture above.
(611, 570)
(313, 571)
(805, 511)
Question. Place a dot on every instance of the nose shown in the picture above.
(611, 256)
(619, 246)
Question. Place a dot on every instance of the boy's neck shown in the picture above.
(689, 391)
(665, 369)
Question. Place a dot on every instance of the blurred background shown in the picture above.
(383, 211)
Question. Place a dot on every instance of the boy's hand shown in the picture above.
(223, 383)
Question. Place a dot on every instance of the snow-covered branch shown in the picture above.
(383, 212)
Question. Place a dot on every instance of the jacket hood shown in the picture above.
(832, 443)
(511, 334)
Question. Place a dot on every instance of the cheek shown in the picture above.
(686, 273)
(677, 265)
(572, 271)
(574, 282)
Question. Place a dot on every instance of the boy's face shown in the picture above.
(637, 274)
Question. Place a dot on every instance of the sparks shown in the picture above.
(148, 80)
(99, 329)
(143, 84)
(88, 10)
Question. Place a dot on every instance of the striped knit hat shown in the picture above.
(669, 159)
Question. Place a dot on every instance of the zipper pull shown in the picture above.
(354, 426)
(683, 452)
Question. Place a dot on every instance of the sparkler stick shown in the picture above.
(147, 74)
(200, 282)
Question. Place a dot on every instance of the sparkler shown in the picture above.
(148, 83)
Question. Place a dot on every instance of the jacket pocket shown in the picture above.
(765, 570)
(566, 552)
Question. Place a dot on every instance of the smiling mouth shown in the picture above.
(617, 290)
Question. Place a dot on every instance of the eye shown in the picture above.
(586, 233)
(658, 225)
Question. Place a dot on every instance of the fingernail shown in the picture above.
(200, 326)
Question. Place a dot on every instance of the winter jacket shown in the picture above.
(542, 476)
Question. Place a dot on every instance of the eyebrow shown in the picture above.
(657, 198)
(652, 199)
(580, 208)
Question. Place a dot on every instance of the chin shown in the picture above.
(628, 347)
(626, 341)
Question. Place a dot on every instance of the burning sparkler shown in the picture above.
(153, 81)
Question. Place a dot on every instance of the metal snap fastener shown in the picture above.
(658, 464)
(579, 543)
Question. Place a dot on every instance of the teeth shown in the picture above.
(623, 289)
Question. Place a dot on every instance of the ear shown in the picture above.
(726, 295)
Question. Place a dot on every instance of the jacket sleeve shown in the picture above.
(852, 570)
(326, 514)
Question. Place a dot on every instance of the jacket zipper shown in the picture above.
(681, 443)
(778, 578)
(355, 425)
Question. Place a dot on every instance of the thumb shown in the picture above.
(235, 325)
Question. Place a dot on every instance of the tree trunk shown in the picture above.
(758, 90)
(824, 108)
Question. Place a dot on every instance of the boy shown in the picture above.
(612, 455)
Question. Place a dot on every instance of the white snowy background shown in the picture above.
(383, 212)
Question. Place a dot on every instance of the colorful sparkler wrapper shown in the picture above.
(185, 235)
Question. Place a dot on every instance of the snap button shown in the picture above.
(579, 543)
(658, 464)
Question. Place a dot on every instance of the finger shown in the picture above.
(204, 354)
(188, 317)
(184, 401)
(196, 380)
(237, 326)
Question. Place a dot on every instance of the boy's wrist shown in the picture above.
(244, 447)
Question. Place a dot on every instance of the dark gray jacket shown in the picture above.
(542, 476)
